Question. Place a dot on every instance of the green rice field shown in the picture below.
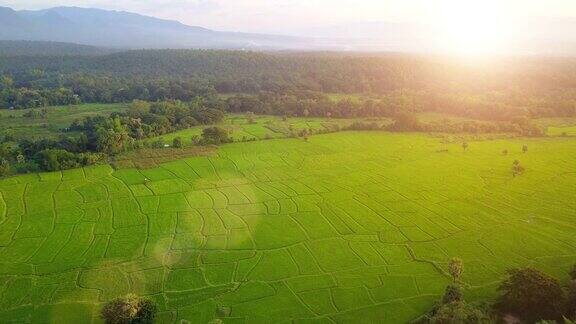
(349, 227)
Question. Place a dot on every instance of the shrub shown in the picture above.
(453, 293)
(531, 295)
(4, 168)
(215, 135)
(177, 142)
(130, 309)
(159, 143)
(459, 313)
(405, 122)
(517, 168)
(250, 118)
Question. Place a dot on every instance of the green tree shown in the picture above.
(459, 312)
(6, 82)
(405, 122)
(531, 295)
(250, 118)
(215, 135)
(4, 168)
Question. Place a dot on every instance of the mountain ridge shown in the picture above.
(122, 29)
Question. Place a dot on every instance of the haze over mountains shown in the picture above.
(125, 30)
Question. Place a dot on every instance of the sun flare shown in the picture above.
(467, 28)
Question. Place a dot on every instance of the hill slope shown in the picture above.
(126, 30)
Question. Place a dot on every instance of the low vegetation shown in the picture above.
(130, 309)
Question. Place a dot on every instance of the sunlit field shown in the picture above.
(268, 127)
(15, 122)
(348, 227)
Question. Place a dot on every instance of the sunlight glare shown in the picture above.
(472, 27)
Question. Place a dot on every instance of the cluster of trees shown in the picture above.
(526, 294)
(22, 97)
(102, 136)
(400, 105)
(407, 122)
(130, 309)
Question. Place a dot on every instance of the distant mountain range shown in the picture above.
(128, 30)
(125, 30)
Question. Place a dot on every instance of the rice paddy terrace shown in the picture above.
(343, 228)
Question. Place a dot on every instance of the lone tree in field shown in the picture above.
(531, 295)
(525, 148)
(455, 268)
(215, 135)
(517, 168)
(129, 309)
(250, 118)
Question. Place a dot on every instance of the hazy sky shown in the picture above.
(295, 16)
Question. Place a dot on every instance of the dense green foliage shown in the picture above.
(532, 295)
(489, 90)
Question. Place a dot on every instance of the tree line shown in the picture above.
(532, 86)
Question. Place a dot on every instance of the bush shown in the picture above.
(531, 295)
(4, 168)
(130, 309)
(159, 143)
(453, 293)
(459, 313)
(215, 135)
(177, 142)
(517, 168)
(405, 122)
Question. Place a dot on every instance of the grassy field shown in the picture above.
(265, 127)
(562, 131)
(344, 228)
(13, 122)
